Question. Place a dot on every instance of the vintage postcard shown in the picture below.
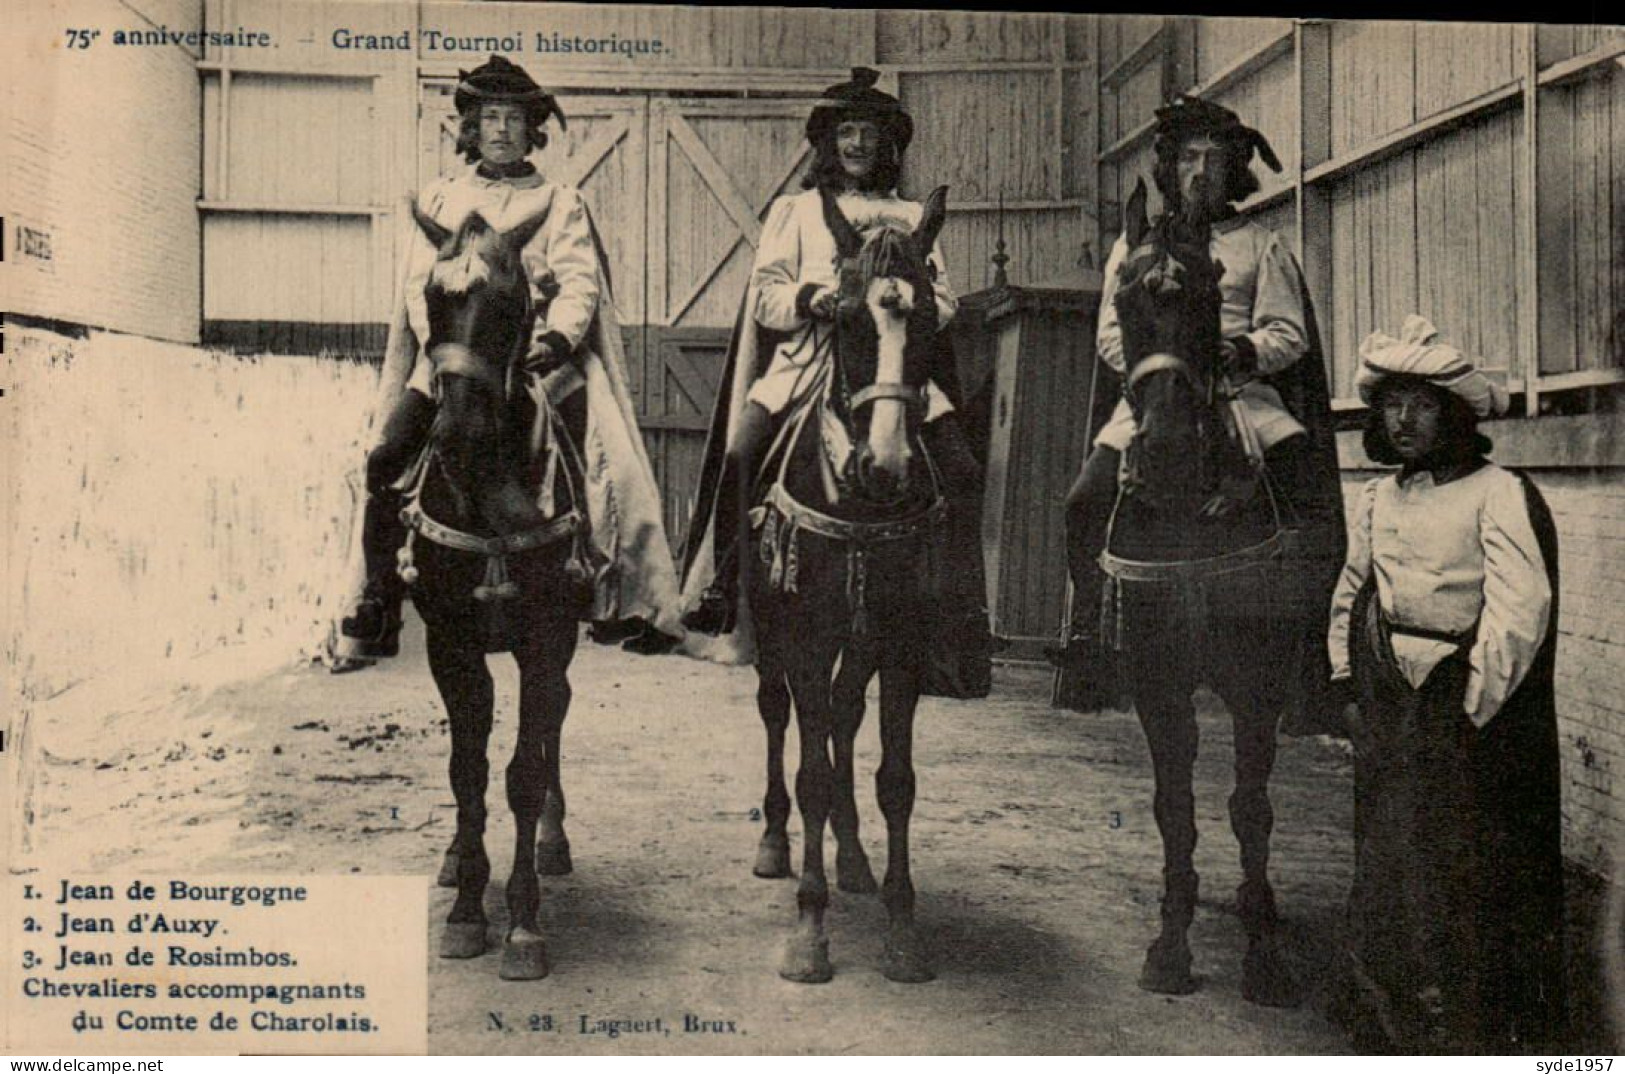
(577, 529)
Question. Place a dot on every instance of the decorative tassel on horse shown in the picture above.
(403, 560)
(792, 559)
(497, 584)
(857, 584)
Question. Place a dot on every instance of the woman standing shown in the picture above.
(1443, 632)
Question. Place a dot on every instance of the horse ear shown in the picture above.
(1135, 224)
(432, 230)
(932, 219)
(847, 240)
(520, 235)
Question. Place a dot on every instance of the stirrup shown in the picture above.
(372, 633)
(717, 613)
(1080, 652)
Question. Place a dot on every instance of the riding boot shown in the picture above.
(718, 610)
(1089, 507)
(373, 631)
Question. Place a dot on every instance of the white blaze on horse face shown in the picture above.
(457, 275)
(890, 300)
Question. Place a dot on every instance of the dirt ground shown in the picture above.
(1035, 855)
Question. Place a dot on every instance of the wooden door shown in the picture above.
(715, 165)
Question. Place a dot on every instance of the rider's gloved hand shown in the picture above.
(549, 351)
(816, 302)
(1239, 358)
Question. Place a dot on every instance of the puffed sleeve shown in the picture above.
(1278, 336)
(776, 274)
(1108, 333)
(1517, 602)
(572, 257)
(1356, 568)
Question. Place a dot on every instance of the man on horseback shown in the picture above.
(859, 135)
(574, 349)
(1270, 350)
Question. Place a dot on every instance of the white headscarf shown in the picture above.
(1418, 353)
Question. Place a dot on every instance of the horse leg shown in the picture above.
(806, 954)
(544, 699)
(906, 958)
(552, 844)
(852, 872)
(1266, 977)
(1162, 699)
(465, 686)
(773, 703)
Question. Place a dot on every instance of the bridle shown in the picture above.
(459, 359)
(1184, 571)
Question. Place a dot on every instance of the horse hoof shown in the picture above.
(906, 963)
(463, 939)
(524, 957)
(1266, 979)
(448, 870)
(853, 875)
(553, 859)
(1167, 968)
(773, 858)
(806, 961)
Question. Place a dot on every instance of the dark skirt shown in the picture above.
(1456, 914)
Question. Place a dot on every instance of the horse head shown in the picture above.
(1167, 305)
(478, 295)
(480, 316)
(886, 324)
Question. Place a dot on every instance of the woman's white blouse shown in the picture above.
(1446, 557)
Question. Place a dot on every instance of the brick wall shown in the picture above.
(102, 158)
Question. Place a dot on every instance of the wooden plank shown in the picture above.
(291, 208)
(1594, 61)
(1407, 137)
(1019, 161)
(1456, 62)
(1373, 81)
(1258, 48)
(1147, 52)
(716, 177)
(1553, 250)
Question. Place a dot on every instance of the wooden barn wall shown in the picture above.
(1407, 153)
(292, 167)
(101, 152)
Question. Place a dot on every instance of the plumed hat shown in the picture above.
(858, 99)
(1417, 353)
(499, 79)
(1187, 116)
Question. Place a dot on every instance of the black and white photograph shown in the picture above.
(645, 530)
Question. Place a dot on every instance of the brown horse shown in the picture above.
(843, 549)
(1196, 554)
(496, 561)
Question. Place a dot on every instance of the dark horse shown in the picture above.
(1195, 555)
(844, 545)
(496, 563)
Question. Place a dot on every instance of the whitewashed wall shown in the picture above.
(161, 503)
(171, 500)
